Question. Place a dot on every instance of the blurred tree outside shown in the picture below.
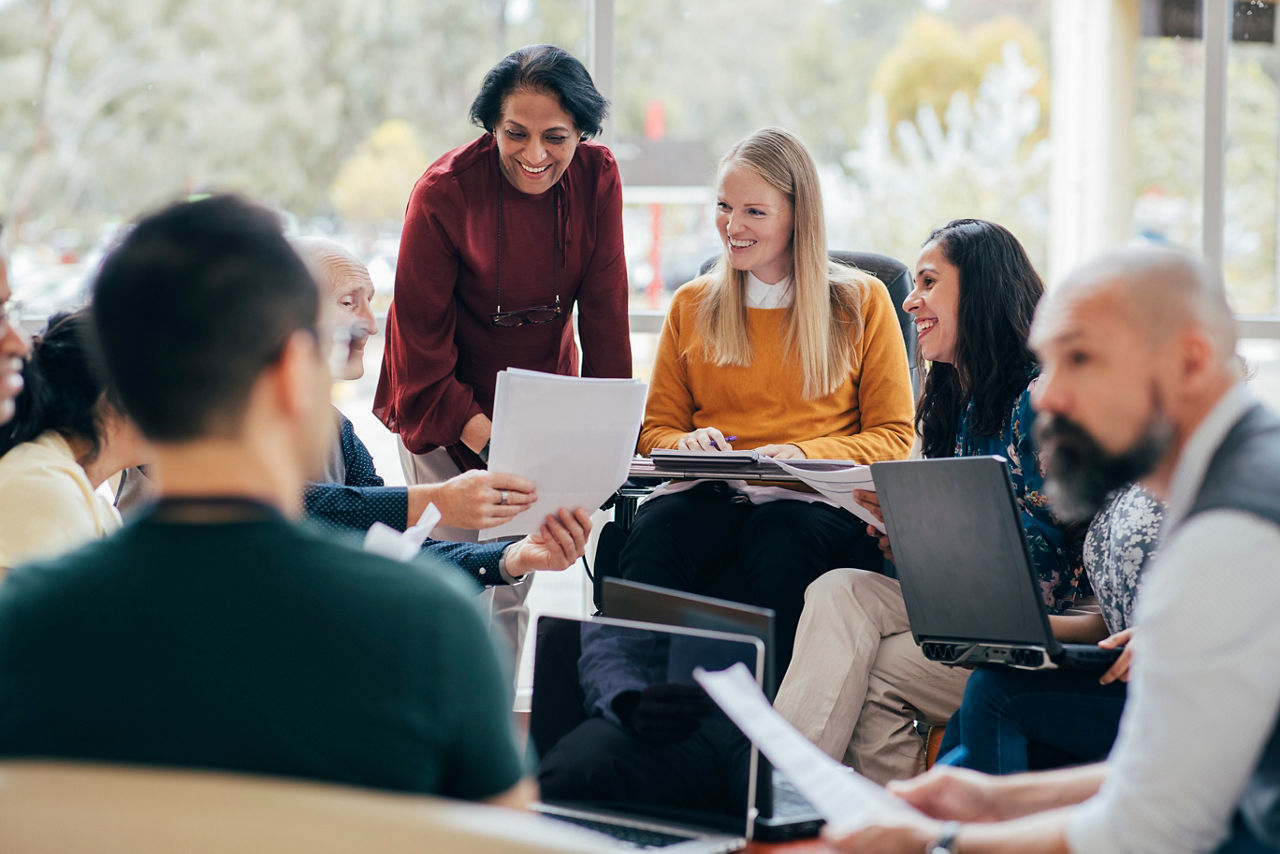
(935, 59)
(370, 186)
(980, 158)
(1168, 130)
(112, 108)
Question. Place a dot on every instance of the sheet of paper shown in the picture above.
(384, 540)
(838, 486)
(846, 799)
(572, 436)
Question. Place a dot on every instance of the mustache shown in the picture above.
(1080, 473)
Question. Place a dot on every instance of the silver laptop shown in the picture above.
(626, 743)
(782, 813)
(971, 590)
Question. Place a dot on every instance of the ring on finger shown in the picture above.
(502, 496)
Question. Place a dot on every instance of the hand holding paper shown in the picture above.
(572, 436)
(847, 800)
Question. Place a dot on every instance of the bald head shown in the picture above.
(330, 263)
(1160, 292)
(346, 291)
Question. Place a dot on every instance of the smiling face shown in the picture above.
(755, 222)
(352, 294)
(536, 140)
(934, 304)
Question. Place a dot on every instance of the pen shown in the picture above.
(726, 438)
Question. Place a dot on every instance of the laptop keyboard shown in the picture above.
(636, 836)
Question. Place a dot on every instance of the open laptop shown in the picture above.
(628, 744)
(972, 593)
(782, 813)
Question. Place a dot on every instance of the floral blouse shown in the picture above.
(1059, 566)
(1122, 540)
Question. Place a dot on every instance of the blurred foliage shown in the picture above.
(935, 59)
(370, 187)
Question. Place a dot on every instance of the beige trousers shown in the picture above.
(858, 682)
(508, 616)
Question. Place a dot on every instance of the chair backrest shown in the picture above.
(68, 806)
(897, 280)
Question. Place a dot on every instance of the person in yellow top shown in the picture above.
(779, 349)
(66, 437)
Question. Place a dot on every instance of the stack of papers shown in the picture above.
(572, 436)
(837, 486)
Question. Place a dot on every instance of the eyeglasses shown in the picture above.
(527, 316)
(539, 314)
(13, 315)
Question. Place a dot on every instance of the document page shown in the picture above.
(838, 485)
(846, 799)
(572, 436)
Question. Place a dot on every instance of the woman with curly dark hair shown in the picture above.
(858, 682)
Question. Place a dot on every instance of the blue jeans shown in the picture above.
(1013, 720)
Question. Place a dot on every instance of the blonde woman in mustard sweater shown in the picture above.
(781, 350)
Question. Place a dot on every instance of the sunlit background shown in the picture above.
(1077, 123)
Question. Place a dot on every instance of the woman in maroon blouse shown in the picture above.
(502, 237)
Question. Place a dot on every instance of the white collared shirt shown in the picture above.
(764, 295)
(1205, 683)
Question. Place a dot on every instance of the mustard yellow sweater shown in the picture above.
(867, 418)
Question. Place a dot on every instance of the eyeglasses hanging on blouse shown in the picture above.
(540, 313)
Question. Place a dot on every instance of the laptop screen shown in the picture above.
(960, 551)
(631, 600)
(618, 724)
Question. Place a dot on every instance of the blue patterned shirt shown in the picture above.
(363, 500)
(1059, 566)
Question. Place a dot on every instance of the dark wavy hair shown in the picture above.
(542, 68)
(62, 388)
(999, 290)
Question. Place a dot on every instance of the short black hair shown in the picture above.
(191, 307)
(999, 291)
(62, 388)
(542, 68)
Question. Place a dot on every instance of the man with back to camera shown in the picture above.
(213, 632)
(1141, 380)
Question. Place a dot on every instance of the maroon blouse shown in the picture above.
(442, 352)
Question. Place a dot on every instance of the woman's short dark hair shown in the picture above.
(542, 68)
(999, 291)
(62, 389)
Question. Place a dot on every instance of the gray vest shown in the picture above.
(1244, 475)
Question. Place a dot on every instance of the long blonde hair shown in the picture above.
(824, 320)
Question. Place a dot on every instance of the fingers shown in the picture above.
(514, 484)
(1119, 669)
(703, 439)
(1119, 639)
(869, 500)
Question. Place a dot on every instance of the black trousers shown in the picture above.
(713, 541)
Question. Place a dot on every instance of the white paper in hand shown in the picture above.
(846, 799)
(384, 540)
(572, 436)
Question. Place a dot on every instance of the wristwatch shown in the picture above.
(946, 841)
